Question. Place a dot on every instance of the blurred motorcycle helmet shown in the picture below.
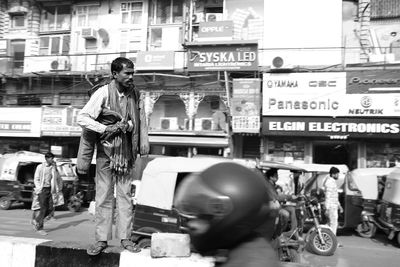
(231, 198)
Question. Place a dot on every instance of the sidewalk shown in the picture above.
(65, 245)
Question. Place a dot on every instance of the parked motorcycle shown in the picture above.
(319, 239)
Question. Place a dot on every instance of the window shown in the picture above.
(17, 21)
(166, 11)
(165, 38)
(132, 12)
(87, 15)
(55, 18)
(54, 45)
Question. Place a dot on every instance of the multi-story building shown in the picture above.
(270, 79)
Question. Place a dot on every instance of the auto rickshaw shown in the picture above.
(368, 180)
(350, 195)
(154, 210)
(17, 172)
(389, 215)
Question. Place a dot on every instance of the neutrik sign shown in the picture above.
(206, 57)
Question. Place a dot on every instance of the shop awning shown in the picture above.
(196, 141)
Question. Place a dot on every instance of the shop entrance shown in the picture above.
(335, 153)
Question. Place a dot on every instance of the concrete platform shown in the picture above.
(32, 252)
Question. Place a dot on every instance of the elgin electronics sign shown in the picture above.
(208, 57)
(333, 128)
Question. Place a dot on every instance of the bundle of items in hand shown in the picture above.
(120, 153)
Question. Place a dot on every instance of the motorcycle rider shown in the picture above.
(224, 205)
(286, 212)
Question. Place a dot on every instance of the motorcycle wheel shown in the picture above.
(366, 231)
(326, 249)
(5, 203)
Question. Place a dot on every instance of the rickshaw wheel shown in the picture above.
(74, 206)
(5, 203)
(398, 238)
(144, 243)
(369, 233)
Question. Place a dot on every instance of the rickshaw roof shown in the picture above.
(315, 167)
(372, 171)
(265, 164)
(159, 178)
(25, 156)
(181, 164)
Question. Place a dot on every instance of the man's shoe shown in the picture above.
(130, 246)
(339, 245)
(96, 248)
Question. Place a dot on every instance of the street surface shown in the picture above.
(79, 228)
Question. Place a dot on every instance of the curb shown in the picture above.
(31, 252)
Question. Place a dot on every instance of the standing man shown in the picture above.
(116, 112)
(45, 179)
(332, 203)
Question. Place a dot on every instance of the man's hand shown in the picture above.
(341, 209)
(111, 131)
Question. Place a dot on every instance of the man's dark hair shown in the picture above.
(118, 64)
(49, 155)
(271, 172)
(333, 170)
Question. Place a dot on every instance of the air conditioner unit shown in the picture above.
(279, 63)
(60, 64)
(203, 124)
(89, 33)
(210, 17)
(169, 123)
(198, 17)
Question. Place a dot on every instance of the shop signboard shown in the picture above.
(332, 128)
(222, 56)
(373, 82)
(245, 105)
(59, 121)
(155, 60)
(20, 122)
(371, 105)
(303, 94)
(216, 30)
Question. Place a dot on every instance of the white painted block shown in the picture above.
(18, 251)
(170, 245)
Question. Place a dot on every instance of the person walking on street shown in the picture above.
(45, 180)
(120, 138)
(332, 203)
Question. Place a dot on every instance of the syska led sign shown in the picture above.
(223, 57)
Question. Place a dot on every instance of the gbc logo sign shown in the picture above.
(322, 83)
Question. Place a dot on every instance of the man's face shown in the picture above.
(274, 178)
(124, 77)
(49, 160)
(335, 176)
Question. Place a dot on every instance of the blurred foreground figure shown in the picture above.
(224, 206)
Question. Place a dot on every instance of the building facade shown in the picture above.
(252, 79)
